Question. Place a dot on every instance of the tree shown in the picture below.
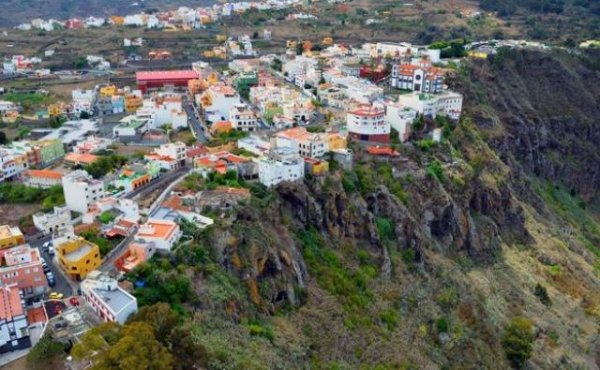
(189, 354)
(3, 138)
(161, 317)
(57, 121)
(84, 115)
(132, 346)
(518, 341)
(46, 352)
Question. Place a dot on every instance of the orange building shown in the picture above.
(80, 159)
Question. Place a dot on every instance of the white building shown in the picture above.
(298, 139)
(107, 298)
(367, 123)
(217, 102)
(83, 101)
(174, 151)
(81, 190)
(94, 21)
(254, 145)
(243, 118)
(47, 223)
(298, 65)
(447, 103)
(281, 165)
(420, 76)
(130, 127)
(92, 144)
(135, 20)
(162, 110)
(400, 118)
(8, 166)
(354, 88)
(164, 233)
(42, 178)
(393, 49)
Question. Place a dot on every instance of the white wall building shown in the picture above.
(83, 101)
(14, 331)
(367, 123)
(298, 139)
(400, 118)
(218, 101)
(281, 165)
(175, 151)
(163, 110)
(47, 223)
(107, 298)
(163, 233)
(254, 145)
(447, 103)
(243, 118)
(81, 190)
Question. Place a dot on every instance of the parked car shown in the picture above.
(45, 266)
(50, 277)
(46, 245)
(55, 295)
(51, 251)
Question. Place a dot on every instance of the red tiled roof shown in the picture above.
(366, 110)
(378, 150)
(48, 174)
(81, 158)
(166, 75)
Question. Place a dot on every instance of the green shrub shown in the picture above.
(518, 341)
(389, 318)
(442, 324)
(447, 298)
(434, 169)
(541, 292)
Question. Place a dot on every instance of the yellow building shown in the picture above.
(56, 109)
(132, 103)
(336, 141)
(10, 237)
(117, 20)
(212, 78)
(291, 44)
(109, 90)
(316, 167)
(78, 257)
(478, 54)
(221, 38)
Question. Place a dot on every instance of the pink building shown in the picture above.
(22, 266)
(136, 253)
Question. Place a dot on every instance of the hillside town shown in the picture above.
(268, 120)
(260, 122)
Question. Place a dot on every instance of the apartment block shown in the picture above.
(81, 190)
(108, 300)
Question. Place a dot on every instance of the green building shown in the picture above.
(244, 81)
(50, 150)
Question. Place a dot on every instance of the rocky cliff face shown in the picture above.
(421, 261)
(541, 110)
